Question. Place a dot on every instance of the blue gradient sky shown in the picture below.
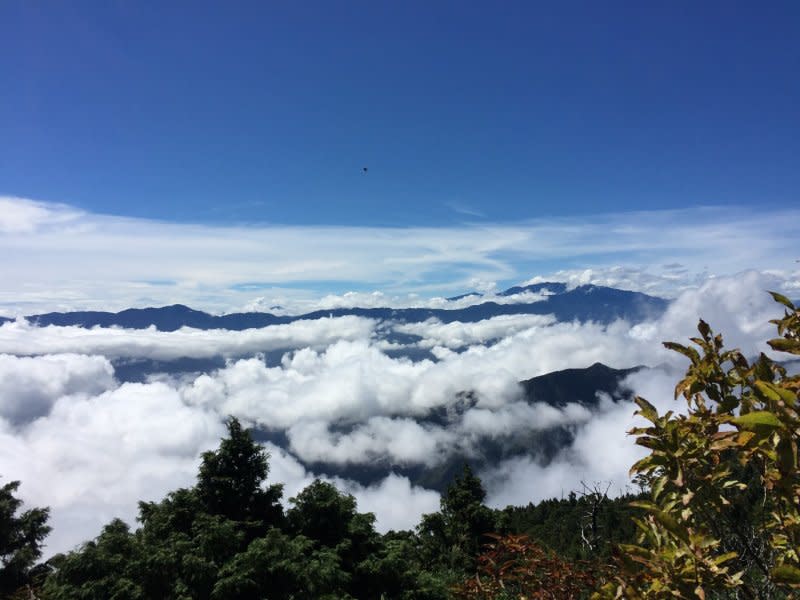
(267, 112)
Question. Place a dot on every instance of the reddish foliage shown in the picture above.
(514, 567)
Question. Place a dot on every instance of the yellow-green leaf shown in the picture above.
(757, 420)
(658, 487)
(787, 574)
(784, 345)
(776, 392)
(690, 353)
(725, 557)
(744, 437)
(644, 505)
(671, 525)
(647, 410)
(783, 300)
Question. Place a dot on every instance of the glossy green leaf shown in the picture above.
(757, 420)
(776, 392)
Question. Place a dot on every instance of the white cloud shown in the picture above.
(377, 299)
(348, 381)
(520, 416)
(22, 216)
(355, 383)
(352, 381)
(92, 457)
(737, 307)
(22, 338)
(667, 281)
(394, 501)
(285, 469)
(30, 386)
(602, 452)
(457, 334)
(400, 440)
(50, 250)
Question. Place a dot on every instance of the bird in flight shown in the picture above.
(364, 169)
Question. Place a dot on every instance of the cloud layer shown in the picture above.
(90, 447)
(22, 338)
(58, 257)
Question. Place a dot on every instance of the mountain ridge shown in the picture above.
(583, 303)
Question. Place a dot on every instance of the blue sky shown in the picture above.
(267, 112)
(162, 152)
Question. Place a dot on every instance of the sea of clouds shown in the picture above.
(90, 447)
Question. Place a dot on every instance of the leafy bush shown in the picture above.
(512, 567)
(21, 536)
(723, 517)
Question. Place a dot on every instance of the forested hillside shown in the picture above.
(228, 537)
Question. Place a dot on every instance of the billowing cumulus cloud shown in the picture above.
(347, 381)
(93, 456)
(401, 441)
(404, 441)
(520, 416)
(91, 448)
(30, 386)
(395, 502)
(739, 307)
(457, 334)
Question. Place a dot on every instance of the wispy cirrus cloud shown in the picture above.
(465, 209)
(58, 257)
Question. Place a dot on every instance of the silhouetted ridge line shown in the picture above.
(584, 303)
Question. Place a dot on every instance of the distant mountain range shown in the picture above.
(583, 303)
